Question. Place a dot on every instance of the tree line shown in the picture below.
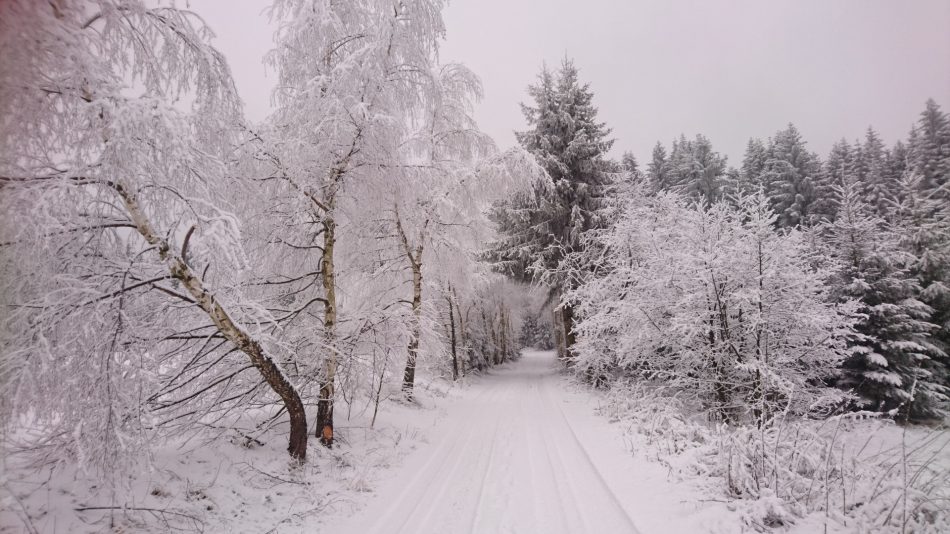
(789, 285)
(170, 269)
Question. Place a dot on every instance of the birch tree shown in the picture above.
(453, 174)
(349, 80)
(122, 264)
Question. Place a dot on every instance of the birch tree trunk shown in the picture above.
(503, 326)
(495, 345)
(180, 270)
(452, 339)
(485, 357)
(325, 404)
(513, 348)
(415, 263)
(463, 337)
(409, 376)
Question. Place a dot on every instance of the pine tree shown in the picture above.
(892, 356)
(630, 166)
(930, 148)
(734, 187)
(896, 171)
(789, 177)
(870, 172)
(753, 165)
(696, 170)
(657, 170)
(535, 333)
(538, 231)
(924, 228)
(835, 172)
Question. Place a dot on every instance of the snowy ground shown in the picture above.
(517, 450)
(523, 453)
(225, 486)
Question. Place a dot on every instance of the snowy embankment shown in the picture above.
(228, 485)
(856, 473)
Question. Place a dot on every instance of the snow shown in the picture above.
(651, 491)
(877, 359)
(519, 449)
(164, 264)
(522, 452)
(843, 474)
(223, 486)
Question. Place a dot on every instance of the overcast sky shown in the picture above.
(728, 69)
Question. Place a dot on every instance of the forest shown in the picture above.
(181, 282)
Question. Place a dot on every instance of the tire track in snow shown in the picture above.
(481, 487)
(403, 503)
(445, 476)
(506, 461)
(562, 468)
(590, 463)
(535, 446)
(569, 440)
(555, 469)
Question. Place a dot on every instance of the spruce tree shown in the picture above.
(924, 223)
(630, 166)
(753, 165)
(874, 184)
(893, 359)
(835, 172)
(789, 177)
(657, 171)
(539, 231)
(696, 170)
(930, 149)
(733, 186)
(896, 171)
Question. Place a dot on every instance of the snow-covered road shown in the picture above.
(505, 460)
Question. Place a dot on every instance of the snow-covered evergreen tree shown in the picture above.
(733, 185)
(835, 173)
(789, 177)
(657, 172)
(631, 167)
(873, 182)
(696, 170)
(536, 333)
(923, 224)
(540, 229)
(893, 358)
(753, 166)
(929, 148)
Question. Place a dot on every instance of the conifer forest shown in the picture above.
(356, 311)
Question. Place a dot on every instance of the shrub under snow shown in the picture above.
(855, 471)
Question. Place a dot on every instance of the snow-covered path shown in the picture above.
(506, 460)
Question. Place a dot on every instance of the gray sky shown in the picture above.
(728, 69)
